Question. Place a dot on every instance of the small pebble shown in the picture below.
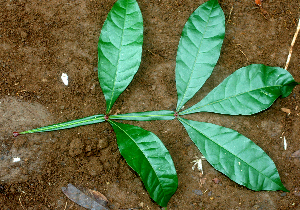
(198, 192)
(283, 194)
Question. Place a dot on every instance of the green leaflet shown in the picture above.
(145, 116)
(119, 49)
(146, 154)
(71, 124)
(247, 91)
(234, 155)
(198, 49)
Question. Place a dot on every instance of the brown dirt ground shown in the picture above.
(39, 40)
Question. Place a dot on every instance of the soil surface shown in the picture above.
(40, 40)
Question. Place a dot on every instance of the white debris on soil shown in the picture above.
(16, 159)
(64, 78)
(198, 163)
(284, 143)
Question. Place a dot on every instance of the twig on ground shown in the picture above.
(66, 206)
(242, 52)
(292, 45)
(21, 203)
(229, 16)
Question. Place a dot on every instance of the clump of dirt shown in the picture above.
(40, 40)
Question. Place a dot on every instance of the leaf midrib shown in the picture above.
(116, 73)
(194, 64)
(141, 116)
(180, 119)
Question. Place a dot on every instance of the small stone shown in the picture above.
(283, 194)
(256, 206)
(216, 180)
(93, 89)
(141, 205)
(198, 192)
(209, 193)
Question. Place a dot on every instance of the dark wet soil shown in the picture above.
(40, 40)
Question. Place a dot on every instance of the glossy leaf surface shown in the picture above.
(247, 91)
(145, 116)
(119, 49)
(198, 49)
(70, 124)
(234, 155)
(146, 154)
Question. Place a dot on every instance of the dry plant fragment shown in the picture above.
(288, 111)
(296, 154)
(229, 16)
(292, 45)
(86, 198)
(198, 163)
(284, 143)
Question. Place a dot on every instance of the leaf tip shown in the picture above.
(284, 189)
(287, 89)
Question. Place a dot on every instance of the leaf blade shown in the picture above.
(145, 116)
(247, 91)
(198, 49)
(119, 49)
(146, 154)
(235, 156)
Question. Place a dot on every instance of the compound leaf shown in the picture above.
(198, 49)
(119, 49)
(247, 91)
(234, 155)
(145, 116)
(146, 154)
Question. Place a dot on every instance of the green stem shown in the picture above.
(70, 124)
(145, 116)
